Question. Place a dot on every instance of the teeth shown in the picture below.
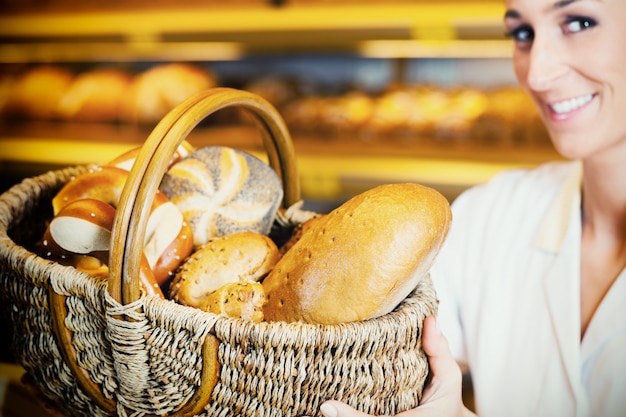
(571, 104)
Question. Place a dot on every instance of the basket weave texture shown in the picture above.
(146, 356)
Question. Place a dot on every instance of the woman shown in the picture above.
(532, 278)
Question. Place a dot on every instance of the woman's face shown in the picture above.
(571, 57)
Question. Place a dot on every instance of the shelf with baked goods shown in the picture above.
(347, 140)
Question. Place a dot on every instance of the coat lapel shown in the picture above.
(608, 319)
(562, 295)
(559, 238)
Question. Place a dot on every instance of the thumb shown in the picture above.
(436, 346)
(339, 409)
(445, 371)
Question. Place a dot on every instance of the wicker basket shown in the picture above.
(97, 347)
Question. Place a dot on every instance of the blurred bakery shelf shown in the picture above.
(222, 32)
(331, 169)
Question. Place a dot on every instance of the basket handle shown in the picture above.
(151, 164)
(133, 211)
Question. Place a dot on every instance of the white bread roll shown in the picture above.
(222, 191)
(362, 259)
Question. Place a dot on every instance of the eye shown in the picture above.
(522, 34)
(575, 24)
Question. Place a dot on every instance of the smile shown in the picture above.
(571, 104)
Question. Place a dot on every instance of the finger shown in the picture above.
(339, 409)
(436, 347)
(443, 367)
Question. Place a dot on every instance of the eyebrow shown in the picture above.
(514, 14)
(562, 3)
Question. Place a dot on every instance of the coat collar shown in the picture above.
(554, 226)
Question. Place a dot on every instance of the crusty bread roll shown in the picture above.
(102, 183)
(159, 89)
(95, 96)
(362, 259)
(237, 257)
(222, 190)
(168, 237)
(80, 235)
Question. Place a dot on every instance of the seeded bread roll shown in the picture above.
(222, 190)
(239, 300)
(237, 257)
(362, 259)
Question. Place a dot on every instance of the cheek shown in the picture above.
(615, 63)
(606, 66)
(520, 66)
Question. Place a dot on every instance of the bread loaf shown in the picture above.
(362, 259)
(298, 231)
(222, 190)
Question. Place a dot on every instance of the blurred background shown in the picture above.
(372, 91)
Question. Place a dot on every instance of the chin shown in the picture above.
(573, 151)
(571, 146)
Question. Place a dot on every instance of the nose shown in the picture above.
(545, 64)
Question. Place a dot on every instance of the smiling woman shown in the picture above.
(570, 58)
(532, 277)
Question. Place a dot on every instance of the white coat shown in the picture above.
(508, 280)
